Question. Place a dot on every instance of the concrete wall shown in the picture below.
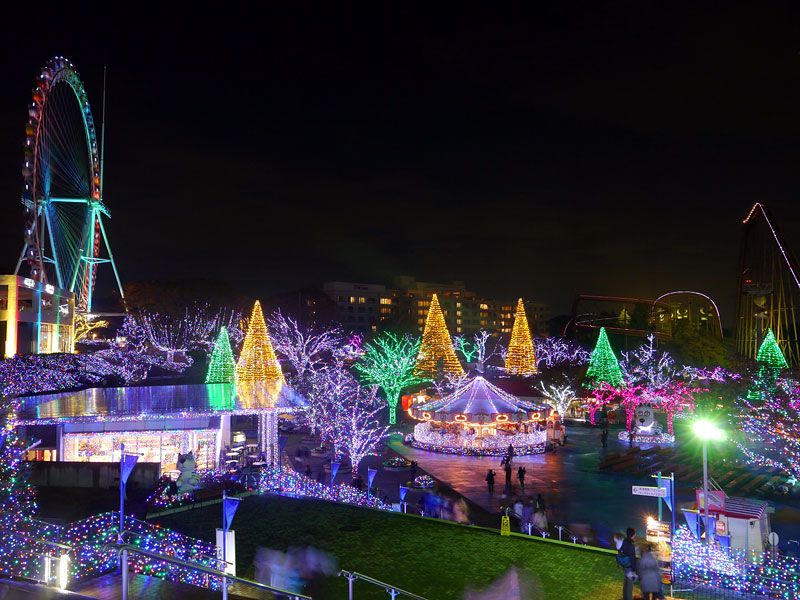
(90, 475)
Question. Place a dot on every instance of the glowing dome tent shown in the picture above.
(480, 418)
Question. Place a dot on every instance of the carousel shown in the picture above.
(480, 419)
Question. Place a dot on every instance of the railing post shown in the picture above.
(124, 567)
(350, 580)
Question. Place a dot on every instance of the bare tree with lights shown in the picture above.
(306, 348)
(560, 396)
(557, 351)
(389, 362)
(354, 429)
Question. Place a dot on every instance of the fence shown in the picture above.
(393, 591)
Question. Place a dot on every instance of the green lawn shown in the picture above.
(433, 559)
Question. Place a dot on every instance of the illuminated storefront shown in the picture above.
(156, 422)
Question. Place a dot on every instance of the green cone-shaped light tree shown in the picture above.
(603, 365)
(222, 368)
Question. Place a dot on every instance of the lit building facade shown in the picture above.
(366, 307)
(35, 317)
(361, 306)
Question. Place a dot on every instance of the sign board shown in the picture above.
(505, 525)
(716, 500)
(648, 490)
(230, 550)
(660, 534)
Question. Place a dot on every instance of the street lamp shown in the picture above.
(707, 430)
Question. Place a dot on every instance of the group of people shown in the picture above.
(643, 568)
(442, 507)
(531, 514)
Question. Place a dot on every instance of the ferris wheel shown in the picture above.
(65, 239)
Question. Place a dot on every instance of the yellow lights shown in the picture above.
(521, 357)
(501, 418)
(426, 416)
(386, 300)
(436, 350)
(460, 418)
(258, 362)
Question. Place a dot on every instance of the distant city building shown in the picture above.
(360, 306)
(305, 306)
(367, 307)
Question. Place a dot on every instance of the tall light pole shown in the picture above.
(707, 430)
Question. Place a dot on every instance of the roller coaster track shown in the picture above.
(768, 287)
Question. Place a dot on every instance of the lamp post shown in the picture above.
(707, 430)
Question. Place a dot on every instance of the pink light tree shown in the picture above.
(604, 394)
(674, 398)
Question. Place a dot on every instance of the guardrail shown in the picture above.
(281, 593)
(392, 590)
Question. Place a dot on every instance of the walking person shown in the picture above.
(510, 453)
(604, 438)
(626, 558)
(490, 481)
(508, 475)
(521, 476)
(649, 574)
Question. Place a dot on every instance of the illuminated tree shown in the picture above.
(257, 361)
(222, 367)
(603, 364)
(84, 326)
(770, 354)
(602, 395)
(556, 351)
(194, 327)
(483, 353)
(771, 362)
(436, 348)
(388, 362)
(355, 430)
(674, 398)
(771, 427)
(468, 349)
(304, 347)
(17, 496)
(559, 396)
(521, 357)
(648, 366)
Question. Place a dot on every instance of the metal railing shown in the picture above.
(392, 590)
(281, 593)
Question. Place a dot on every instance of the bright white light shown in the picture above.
(63, 571)
(707, 430)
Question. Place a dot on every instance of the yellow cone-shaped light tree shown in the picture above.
(436, 347)
(521, 357)
(257, 361)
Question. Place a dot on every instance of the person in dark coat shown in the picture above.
(510, 453)
(604, 438)
(521, 476)
(628, 549)
(490, 481)
(539, 502)
(508, 474)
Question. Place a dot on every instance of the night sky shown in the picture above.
(577, 149)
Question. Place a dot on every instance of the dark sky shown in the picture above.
(575, 149)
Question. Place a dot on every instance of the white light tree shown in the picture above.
(559, 396)
(355, 430)
(448, 382)
(648, 366)
(305, 347)
(196, 327)
(557, 351)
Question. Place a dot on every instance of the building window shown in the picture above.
(458, 304)
(484, 307)
(361, 299)
(386, 300)
(352, 299)
(458, 312)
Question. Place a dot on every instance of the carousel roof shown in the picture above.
(478, 401)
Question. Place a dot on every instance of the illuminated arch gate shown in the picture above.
(768, 287)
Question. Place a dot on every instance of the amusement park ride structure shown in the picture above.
(63, 188)
(768, 287)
